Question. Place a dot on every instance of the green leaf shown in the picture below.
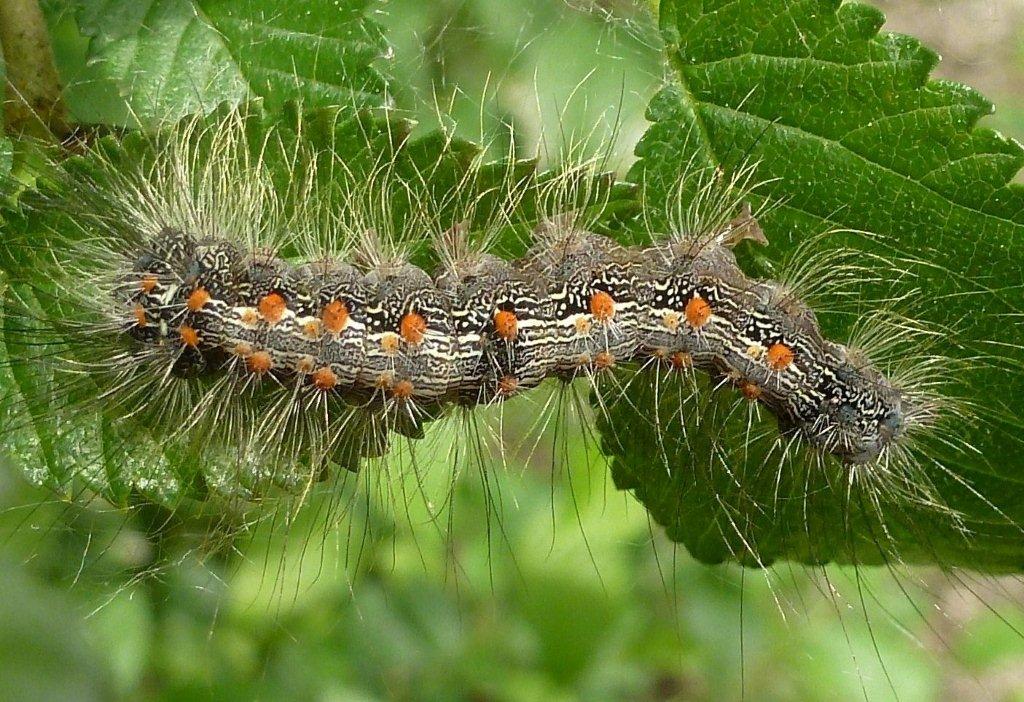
(175, 57)
(848, 133)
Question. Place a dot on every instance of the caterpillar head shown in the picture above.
(864, 415)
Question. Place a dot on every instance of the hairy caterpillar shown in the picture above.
(392, 333)
(203, 234)
(727, 477)
(194, 315)
(278, 424)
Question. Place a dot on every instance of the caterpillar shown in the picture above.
(195, 316)
(255, 404)
(482, 331)
(273, 330)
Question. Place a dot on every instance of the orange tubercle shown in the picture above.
(260, 362)
(272, 307)
(697, 312)
(604, 360)
(681, 361)
(140, 316)
(389, 343)
(750, 390)
(413, 327)
(325, 379)
(148, 283)
(197, 299)
(335, 316)
(508, 385)
(311, 329)
(602, 307)
(506, 324)
(402, 389)
(189, 336)
(779, 357)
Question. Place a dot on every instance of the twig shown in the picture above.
(33, 103)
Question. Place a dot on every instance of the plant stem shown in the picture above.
(33, 103)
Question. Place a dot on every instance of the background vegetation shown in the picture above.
(581, 596)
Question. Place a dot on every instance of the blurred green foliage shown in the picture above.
(541, 587)
(556, 595)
